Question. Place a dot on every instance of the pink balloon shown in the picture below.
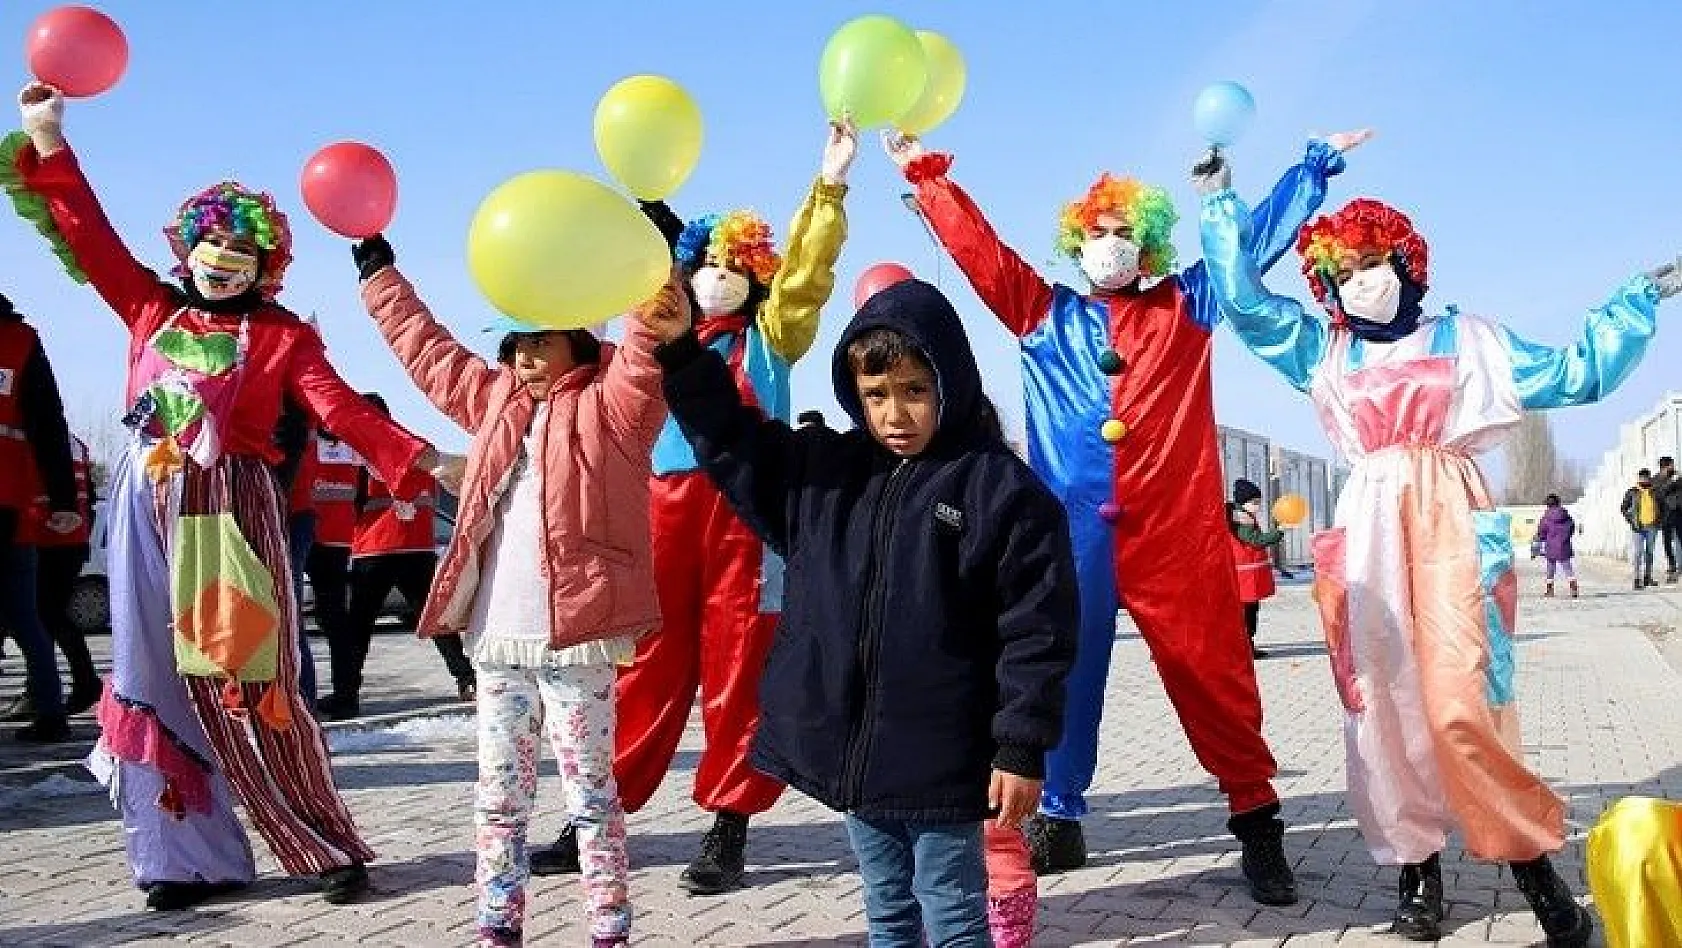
(876, 279)
(351, 189)
(77, 50)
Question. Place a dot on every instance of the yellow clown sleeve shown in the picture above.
(789, 316)
(1635, 872)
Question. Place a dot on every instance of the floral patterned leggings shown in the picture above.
(577, 701)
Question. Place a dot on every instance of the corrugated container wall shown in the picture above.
(1278, 471)
(1641, 442)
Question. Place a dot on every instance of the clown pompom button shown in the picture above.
(1109, 362)
(1113, 430)
(1109, 511)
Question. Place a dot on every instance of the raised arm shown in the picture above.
(1038, 615)
(43, 172)
(636, 408)
(386, 446)
(1010, 287)
(789, 316)
(1274, 327)
(453, 377)
(1614, 338)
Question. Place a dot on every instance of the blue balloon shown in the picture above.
(1222, 113)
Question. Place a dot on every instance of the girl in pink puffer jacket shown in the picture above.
(549, 573)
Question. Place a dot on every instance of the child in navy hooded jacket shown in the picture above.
(928, 625)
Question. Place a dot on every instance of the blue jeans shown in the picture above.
(301, 536)
(18, 613)
(922, 878)
(1641, 542)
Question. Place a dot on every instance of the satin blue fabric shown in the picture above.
(1495, 560)
(1067, 398)
(1614, 338)
(1276, 328)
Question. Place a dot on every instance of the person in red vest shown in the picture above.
(336, 470)
(393, 548)
(1252, 551)
(59, 560)
(34, 454)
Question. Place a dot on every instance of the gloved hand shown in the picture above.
(1667, 277)
(1212, 174)
(668, 223)
(839, 150)
(42, 108)
(372, 256)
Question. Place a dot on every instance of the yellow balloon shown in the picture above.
(1635, 872)
(872, 69)
(648, 133)
(944, 89)
(560, 250)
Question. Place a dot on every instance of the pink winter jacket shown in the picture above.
(595, 468)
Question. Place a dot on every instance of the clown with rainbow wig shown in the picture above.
(202, 706)
(720, 587)
(1120, 419)
(1415, 579)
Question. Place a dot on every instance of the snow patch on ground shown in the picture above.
(411, 733)
(52, 787)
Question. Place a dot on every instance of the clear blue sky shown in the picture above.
(1537, 145)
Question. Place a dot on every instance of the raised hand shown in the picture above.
(1349, 141)
(1667, 277)
(667, 315)
(372, 255)
(42, 110)
(1212, 173)
(839, 150)
(902, 149)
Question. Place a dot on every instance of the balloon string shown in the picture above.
(910, 201)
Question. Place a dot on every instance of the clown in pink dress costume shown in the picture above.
(1415, 579)
(202, 705)
(1120, 423)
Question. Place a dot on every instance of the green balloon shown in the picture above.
(873, 68)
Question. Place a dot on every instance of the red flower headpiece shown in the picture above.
(1360, 227)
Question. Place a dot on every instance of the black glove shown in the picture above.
(372, 256)
(669, 224)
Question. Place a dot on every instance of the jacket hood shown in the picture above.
(927, 318)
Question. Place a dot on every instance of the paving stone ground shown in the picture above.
(1599, 704)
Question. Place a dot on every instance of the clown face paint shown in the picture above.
(1110, 262)
(1373, 294)
(221, 273)
(720, 290)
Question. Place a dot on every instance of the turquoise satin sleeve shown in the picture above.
(1274, 327)
(1614, 338)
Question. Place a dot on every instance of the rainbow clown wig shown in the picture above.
(1148, 210)
(739, 240)
(231, 207)
(1361, 227)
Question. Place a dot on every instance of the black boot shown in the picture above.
(46, 729)
(560, 859)
(1265, 867)
(1566, 923)
(718, 867)
(176, 896)
(1056, 845)
(1419, 911)
(345, 884)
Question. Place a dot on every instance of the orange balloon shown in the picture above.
(1290, 510)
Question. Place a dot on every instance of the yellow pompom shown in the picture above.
(1113, 430)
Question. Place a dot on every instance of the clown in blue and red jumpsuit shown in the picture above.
(720, 588)
(1145, 497)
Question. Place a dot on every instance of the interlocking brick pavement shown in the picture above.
(1598, 704)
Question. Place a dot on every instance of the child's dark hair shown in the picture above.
(877, 351)
(1552, 500)
(586, 348)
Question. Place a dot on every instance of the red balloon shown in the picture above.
(351, 189)
(77, 50)
(876, 279)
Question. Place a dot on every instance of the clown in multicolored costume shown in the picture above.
(202, 705)
(1120, 418)
(720, 587)
(1415, 579)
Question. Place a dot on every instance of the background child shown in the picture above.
(929, 620)
(1554, 532)
(550, 570)
(1251, 546)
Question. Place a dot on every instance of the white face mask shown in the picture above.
(1253, 506)
(219, 273)
(1110, 262)
(1373, 294)
(719, 290)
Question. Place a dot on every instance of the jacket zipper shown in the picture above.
(870, 640)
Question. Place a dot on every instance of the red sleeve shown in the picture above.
(1011, 288)
(387, 447)
(140, 300)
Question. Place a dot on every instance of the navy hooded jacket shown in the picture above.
(930, 609)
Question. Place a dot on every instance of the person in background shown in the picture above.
(1553, 534)
(60, 558)
(295, 471)
(1667, 489)
(34, 453)
(394, 548)
(1251, 550)
(333, 476)
(1640, 509)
